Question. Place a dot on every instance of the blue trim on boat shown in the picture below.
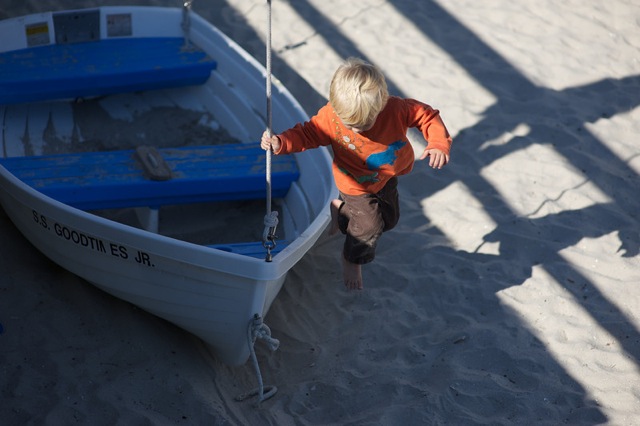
(62, 71)
(252, 249)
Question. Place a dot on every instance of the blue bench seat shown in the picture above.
(117, 179)
(94, 68)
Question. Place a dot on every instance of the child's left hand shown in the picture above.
(437, 158)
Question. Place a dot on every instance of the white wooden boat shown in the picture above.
(107, 120)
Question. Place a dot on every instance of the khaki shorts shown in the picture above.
(363, 219)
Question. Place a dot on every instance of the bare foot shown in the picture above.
(335, 211)
(352, 273)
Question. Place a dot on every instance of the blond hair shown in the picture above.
(358, 92)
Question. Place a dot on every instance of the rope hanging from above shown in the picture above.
(271, 217)
(257, 329)
(186, 23)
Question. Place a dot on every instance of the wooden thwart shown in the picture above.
(70, 71)
(116, 179)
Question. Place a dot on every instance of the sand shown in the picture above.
(508, 293)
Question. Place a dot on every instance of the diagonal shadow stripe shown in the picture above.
(516, 94)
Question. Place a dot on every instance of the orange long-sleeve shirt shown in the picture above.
(364, 162)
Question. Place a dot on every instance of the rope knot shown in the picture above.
(269, 233)
(259, 330)
(271, 219)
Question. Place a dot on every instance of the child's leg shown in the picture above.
(363, 219)
(389, 204)
(335, 207)
(352, 275)
(363, 228)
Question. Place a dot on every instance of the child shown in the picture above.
(367, 130)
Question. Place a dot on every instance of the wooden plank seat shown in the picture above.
(119, 65)
(118, 179)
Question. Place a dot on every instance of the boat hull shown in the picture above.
(211, 293)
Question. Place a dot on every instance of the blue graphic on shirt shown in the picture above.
(379, 159)
(375, 162)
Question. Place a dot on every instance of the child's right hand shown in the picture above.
(270, 143)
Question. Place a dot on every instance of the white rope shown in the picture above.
(271, 217)
(186, 22)
(259, 330)
(270, 224)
